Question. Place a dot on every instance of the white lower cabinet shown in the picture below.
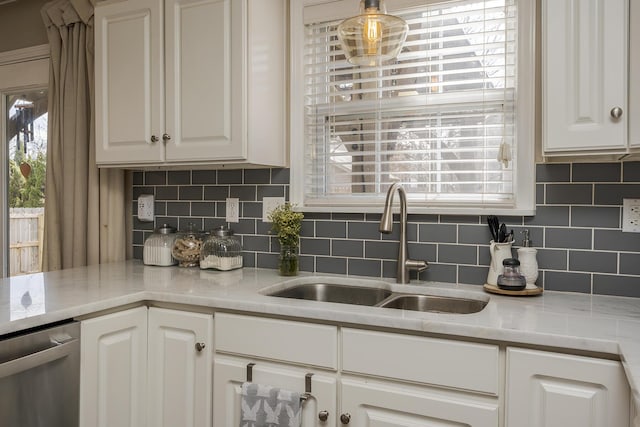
(285, 351)
(370, 403)
(558, 390)
(231, 372)
(113, 374)
(146, 367)
(179, 368)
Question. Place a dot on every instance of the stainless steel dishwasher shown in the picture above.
(40, 377)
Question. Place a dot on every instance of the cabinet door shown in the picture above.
(129, 82)
(204, 79)
(558, 390)
(584, 67)
(113, 369)
(180, 381)
(384, 404)
(230, 373)
(634, 70)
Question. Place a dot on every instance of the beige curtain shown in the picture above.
(84, 205)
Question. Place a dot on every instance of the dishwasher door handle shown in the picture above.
(33, 360)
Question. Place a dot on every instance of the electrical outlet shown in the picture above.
(146, 207)
(631, 215)
(269, 204)
(233, 210)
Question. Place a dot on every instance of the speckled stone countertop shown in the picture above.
(598, 324)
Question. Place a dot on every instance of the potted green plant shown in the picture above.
(286, 224)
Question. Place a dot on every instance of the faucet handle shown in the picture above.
(417, 265)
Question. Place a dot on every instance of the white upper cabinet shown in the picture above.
(585, 53)
(634, 72)
(129, 83)
(191, 82)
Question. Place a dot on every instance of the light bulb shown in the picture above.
(372, 34)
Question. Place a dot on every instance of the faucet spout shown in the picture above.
(405, 265)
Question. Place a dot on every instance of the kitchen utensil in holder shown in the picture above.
(499, 252)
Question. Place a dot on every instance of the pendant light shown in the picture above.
(372, 36)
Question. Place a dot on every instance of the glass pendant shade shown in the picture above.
(373, 36)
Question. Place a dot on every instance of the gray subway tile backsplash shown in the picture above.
(630, 263)
(567, 281)
(593, 261)
(439, 233)
(553, 172)
(624, 286)
(631, 172)
(331, 265)
(576, 227)
(570, 238)
(612, 194)
(569, 194)
(457, 254)
(179, 178)
(155, 178)
(596, 172)
(347, 248)
(203, 177)
(595, 216)
(335, 229)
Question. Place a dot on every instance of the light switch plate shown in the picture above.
(269, 204)
(146, 207)
(233, 210)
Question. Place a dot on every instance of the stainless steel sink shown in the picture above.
(433, 303)
(329, 292)
(379, 297)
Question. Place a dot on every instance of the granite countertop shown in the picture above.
(598, 324)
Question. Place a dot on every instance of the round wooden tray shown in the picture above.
(523, 293)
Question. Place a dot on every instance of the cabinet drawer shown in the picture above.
(435, 361)
(285, 340)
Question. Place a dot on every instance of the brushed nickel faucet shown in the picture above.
(386, 226)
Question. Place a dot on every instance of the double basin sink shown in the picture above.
(315, 289)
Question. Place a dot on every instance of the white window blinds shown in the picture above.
(433, 119)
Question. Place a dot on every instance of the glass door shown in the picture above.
(25, 124)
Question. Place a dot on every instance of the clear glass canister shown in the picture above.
(187, 246)
(158, 246)
(511, 278)
(221, 251)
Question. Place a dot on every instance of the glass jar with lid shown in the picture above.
(221, 250)
(158, 247)
(187, 246)
(511, 279)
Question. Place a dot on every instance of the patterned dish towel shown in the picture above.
(267, 406)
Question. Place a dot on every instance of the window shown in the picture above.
(435, 119)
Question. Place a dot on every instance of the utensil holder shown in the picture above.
(499, 252)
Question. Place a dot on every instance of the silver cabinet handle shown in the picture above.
(200, 346)
(345, 418)
(154, 139)
(323, 415)
(616, 112)
(166, 137)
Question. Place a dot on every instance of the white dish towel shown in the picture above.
(267, 406)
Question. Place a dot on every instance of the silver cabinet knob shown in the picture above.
(200, 346)
(154, 139)
(345, 418)
(616, 112)
(166, 137)
(323, 415)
